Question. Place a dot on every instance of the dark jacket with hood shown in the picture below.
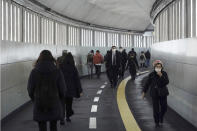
(47, 68)
(157, 84)
(72, 80)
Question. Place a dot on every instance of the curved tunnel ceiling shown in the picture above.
(123, 14)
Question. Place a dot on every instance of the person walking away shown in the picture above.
(105, 61)
(142, 59)
(148, 56)
(90, 63)
(74, 89)
(132, 66)
(61, 58)
(113, 66)
(123, 61)
(46, 88)
(157, 82)
(98, 60)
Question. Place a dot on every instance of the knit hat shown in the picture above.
(157, 62)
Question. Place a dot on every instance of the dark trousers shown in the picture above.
(159, 108)
(132, 71)
(90, 69)
(113, 75)
(98, 70)
(122, 70)
(43, 126)
(69, 110)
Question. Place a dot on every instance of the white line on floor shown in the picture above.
(103, 86)
(96, 99)
(99, 91)
(94, 108)
(139, 73)
(92, 123)
(105, 83)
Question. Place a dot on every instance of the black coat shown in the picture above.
(72, 80)
(157, 85)
(132, 66)
(135, 57)
(108, 60)
(148, 55)
(46, 68)
(123, 58)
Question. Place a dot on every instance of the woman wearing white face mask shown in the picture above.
(157, 82)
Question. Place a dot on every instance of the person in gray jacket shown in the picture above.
(46, 88)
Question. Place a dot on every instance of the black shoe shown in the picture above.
(68, 119)
(62, 122)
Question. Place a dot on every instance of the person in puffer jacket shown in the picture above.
(98, 60)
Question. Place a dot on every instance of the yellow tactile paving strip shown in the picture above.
(125, 112)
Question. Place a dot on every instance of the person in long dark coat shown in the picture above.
(148, 56)
(105, 61)
(157, 82)
(132, 66)
(73, 84)
(113, 65)
(45, 67)
(123, 61)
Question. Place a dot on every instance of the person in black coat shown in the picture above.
(148, 56)
(113, 65)
(132, 52)
(45, 68)
(72, 82)
(132, 66)
(123, 61)
(157, 82)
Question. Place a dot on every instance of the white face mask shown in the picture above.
(121, 50)
(114, 50)
(158, 69)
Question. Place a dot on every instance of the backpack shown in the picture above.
(90, 58)
(141, 57)
(46, 93)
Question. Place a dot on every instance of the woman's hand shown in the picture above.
(159, 74)
(81, 94)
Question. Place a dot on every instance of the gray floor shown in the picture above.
(108, 117)
(142, 110)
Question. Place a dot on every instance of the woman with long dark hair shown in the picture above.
(46, 88)
(72, 82)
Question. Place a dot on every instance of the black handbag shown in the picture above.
(163, 91)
